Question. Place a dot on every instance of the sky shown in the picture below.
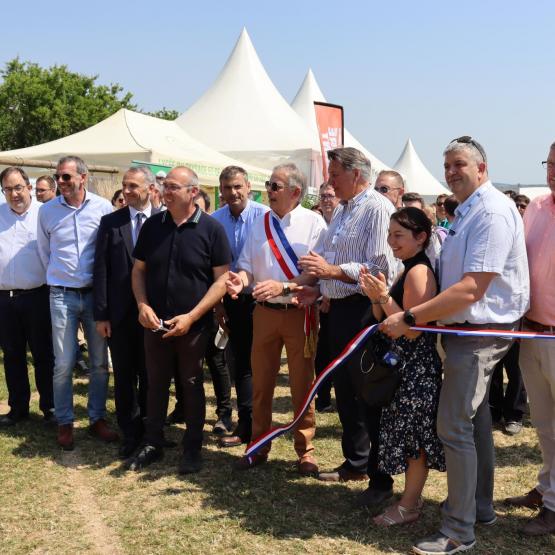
(428, 70)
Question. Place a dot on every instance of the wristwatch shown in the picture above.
(408, 318)
(286, 290)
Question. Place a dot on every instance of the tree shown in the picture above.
(38, 105)
(164, 113)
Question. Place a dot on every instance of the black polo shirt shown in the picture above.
(179, 261)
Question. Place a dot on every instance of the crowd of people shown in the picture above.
(161, 283)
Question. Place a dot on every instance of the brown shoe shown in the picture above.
(100, 430)
(540, 525)
(230, 441)
(531, 500)
(307, 466)
(342, 474)
(246, 463)
(65, 437)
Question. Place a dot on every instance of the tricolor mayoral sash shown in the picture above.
(288, 262)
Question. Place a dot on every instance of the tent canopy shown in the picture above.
(417, 177)
(243, 115)
(303, 103)
(128, 135)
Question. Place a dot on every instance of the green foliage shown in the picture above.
(164, 113)
(309, 201)
(42, 104)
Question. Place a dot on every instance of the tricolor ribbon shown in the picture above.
(353, 345)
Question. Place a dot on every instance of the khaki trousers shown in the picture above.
(272, 330)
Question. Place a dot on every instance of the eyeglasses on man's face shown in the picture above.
(273, 186)
(548, 164)
(11, 190)
(326, 196)
(384, 189)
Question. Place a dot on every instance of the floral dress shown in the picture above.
(408, 424)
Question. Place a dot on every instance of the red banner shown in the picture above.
(329, 119)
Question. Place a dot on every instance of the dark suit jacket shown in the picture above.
(113, 262)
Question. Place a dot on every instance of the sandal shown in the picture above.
(397, 514)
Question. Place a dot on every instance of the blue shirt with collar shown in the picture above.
(66, 239)
(237, 229)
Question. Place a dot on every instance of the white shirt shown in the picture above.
(488, 236)
(304, 230)
(133, 215)
(20, 264)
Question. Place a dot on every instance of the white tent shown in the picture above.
(533, 191)
(303, 104)
(127, 136)
(417, 177)
(244, 116)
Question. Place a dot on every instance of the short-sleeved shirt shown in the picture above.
(539, 225)
(180, 261)
(487, 236)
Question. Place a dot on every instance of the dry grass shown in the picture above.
(84, 502)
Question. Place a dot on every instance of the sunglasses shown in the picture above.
(383, 189)
(63, 177)
(467, 140)
(273, 186)
(440, 204)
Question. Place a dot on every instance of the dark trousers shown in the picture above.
(511, 403)
(240, 314)
(130, 379)
(164, 357)
(361, 423)
(322, 359)
(25, 320)
(219, 372)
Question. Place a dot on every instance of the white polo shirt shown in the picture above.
(488, 236)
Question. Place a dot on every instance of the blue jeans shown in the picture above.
(67, 308)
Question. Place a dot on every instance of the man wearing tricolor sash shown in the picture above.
(269, 262)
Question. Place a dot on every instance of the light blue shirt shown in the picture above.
(20, 264)
(237, 229)
(66, 239)
(487, 236)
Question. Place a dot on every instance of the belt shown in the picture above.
(276, 306)
(17, 292)
(536, 326)
(81, 290)
(352, 299)
(489, 325)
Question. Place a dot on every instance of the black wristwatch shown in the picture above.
(409, 319)
(286, 290)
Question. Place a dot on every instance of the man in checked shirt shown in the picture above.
(356, 237)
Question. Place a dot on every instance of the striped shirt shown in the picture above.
(356, 237)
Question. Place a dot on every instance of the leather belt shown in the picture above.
(536, 326)
(277, 306)
(17, 292)
(82, 290)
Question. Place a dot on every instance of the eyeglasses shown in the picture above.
(273, 186)
(383, 189)
(63, 177)
(11, 190)
(548, 164)
(327, 197)
(468, 140)
(175, 188)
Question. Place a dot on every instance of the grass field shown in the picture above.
(84, 502)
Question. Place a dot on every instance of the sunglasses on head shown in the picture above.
(468, 140)
(273, 186)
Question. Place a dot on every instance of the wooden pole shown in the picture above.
(18, 161)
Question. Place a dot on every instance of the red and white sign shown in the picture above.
(329, 119)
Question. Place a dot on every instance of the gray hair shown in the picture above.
(295, 177)
(229, 172)
(146, 171)
(79, 163)
(474, 149)
(352, 159)
(392, 173)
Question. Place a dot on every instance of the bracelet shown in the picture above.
(382, 299)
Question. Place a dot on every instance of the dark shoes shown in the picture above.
(127, 448)
(342, 474)
(246, 463)
(65, 437)
(11, 419)
(222, 426)
(50, 417)
(540, 525)
(307, 466)
(241, 434)
(190, 462)
(530, 500)
(102, 431)
(146, 456)
(175, 417)
(372, 497)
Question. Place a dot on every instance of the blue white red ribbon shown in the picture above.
(352, 346)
